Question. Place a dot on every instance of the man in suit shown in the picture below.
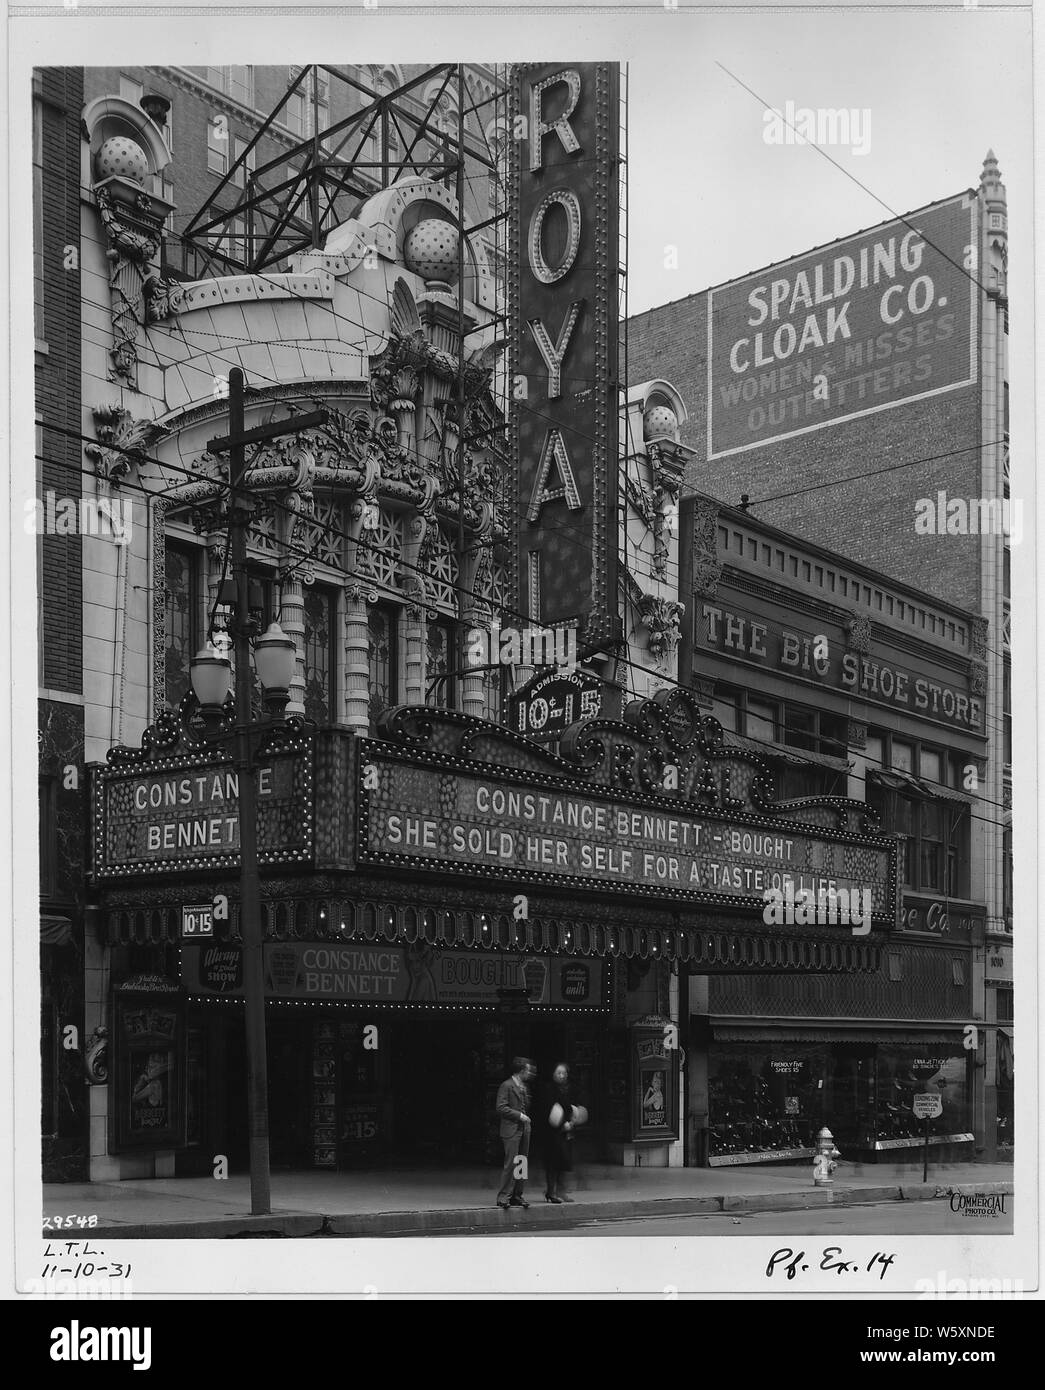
(513, 1109)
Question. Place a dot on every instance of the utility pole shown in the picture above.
(460, 645)
(240, 511)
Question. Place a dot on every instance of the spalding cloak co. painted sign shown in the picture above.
(871, 322)
(563, 203)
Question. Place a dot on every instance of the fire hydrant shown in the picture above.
(824, 1161)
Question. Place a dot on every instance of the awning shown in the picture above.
(785, 755)
(914, 786)
(791, 1032)
(900, 782)
(714, 942)
(55, 931)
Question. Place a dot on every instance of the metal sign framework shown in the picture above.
(400, 132)
(419, 128)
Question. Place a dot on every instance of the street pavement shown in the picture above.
(462, 1200)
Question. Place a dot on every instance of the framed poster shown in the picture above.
(654, 1084)
(151, 1070)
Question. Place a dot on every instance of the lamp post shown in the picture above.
(211, 674)
(274, 658)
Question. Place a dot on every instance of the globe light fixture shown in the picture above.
(274, 656)
(211, 677)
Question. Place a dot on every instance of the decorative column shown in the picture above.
(420, 534)
(477, 582)
(416, 636)
(292, 621)
(296, 511)
(363, 513)
(356, 636)
(668, 468)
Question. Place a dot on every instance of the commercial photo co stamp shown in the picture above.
(984, 1205)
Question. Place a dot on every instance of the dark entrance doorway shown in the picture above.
(437, 1089)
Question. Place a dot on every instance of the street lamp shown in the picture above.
(211, 677)
(274, 657)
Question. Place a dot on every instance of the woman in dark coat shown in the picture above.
(558, 1134)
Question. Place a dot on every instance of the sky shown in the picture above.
(938, 90)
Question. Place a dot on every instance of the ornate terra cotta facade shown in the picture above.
(369, 513)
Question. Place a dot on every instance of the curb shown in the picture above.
(211, 1228)
(930, 1191)
(463, 1220)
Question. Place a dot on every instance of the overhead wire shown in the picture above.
(776, 749)
(327, 528)
(567, 529)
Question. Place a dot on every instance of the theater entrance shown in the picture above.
(439, 1091)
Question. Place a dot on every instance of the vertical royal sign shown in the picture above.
(563, 305)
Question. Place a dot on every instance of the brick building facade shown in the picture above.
(57, 99)
(854, 484)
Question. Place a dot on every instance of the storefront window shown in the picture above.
(903, 821)
(770, 721)
(761, 721)
(724, 709)
(808, 781)
(906, 1070)
(384, 674)
(320, 661)
(929, 764)
(799, 727)
(902, 756)
(931, 844)
(439, 664)
(181, 602)
(957, 847)
(765, 1100)
(936, 854)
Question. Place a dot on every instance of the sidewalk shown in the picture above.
(421, 1201)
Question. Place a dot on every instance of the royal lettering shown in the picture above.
(566, 433)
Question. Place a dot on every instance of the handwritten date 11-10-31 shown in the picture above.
(830, 1260)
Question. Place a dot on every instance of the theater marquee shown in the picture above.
(563, 312)
(429, 816)
(182, 812)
